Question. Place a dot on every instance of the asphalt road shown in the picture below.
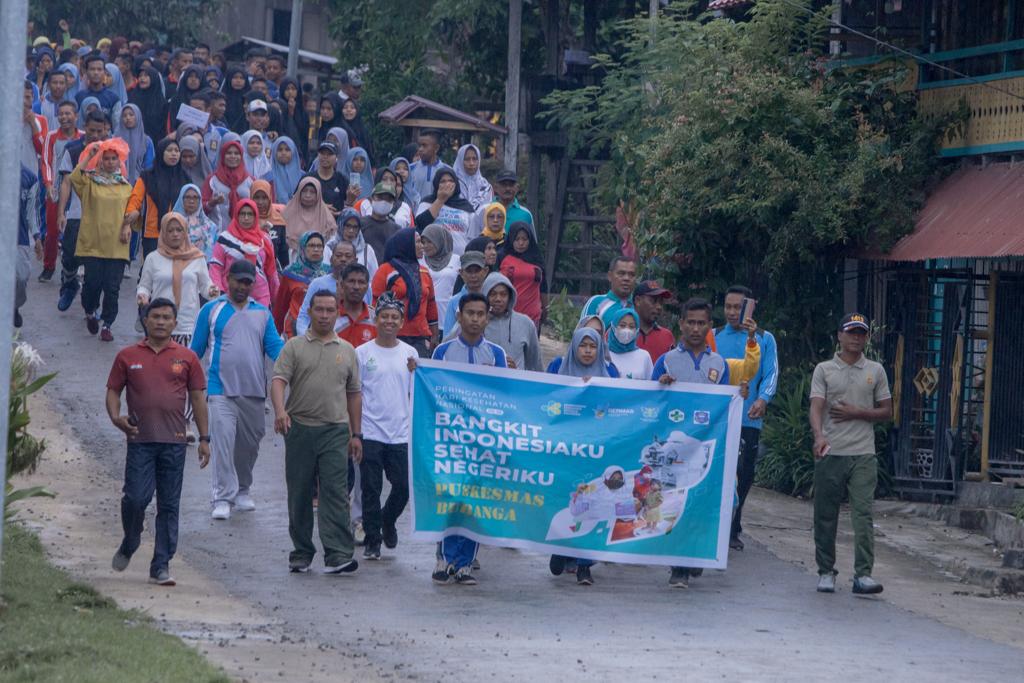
(759, 620)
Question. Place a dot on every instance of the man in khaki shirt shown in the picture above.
(849, 393)
(321, 425)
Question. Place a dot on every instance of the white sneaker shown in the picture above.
(358, 533)
(244, 503)
(221, 510)
(827, 583)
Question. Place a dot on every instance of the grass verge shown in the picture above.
(55, 629)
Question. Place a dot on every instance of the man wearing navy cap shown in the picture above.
(849, 393)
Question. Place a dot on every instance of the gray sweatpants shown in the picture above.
(236, 429)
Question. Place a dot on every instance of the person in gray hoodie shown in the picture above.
(513, 332)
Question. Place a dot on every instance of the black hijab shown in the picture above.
(358, 136)
(532, 254)
(234, 115)
(299, 121)
(183, 94)
(400, 253)
(456, 201)
(335, 121)
(163, 182)
(151, 102)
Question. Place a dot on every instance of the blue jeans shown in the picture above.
(458, 551)
(149, 468)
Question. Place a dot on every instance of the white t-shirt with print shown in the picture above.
(387, 391)
(634, 364)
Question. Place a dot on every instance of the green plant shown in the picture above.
(788, 464)
(23, 450)
(1018, 511)
(563, 316)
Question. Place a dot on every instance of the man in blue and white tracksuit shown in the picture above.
(456, 553)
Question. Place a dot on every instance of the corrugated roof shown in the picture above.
(975, 213)
(303, 54)
(396, 113)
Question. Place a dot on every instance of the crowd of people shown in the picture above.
(276, 250)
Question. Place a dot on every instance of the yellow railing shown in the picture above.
(996, 123)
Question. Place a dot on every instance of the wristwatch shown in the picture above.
(357, 435)
(205, 438)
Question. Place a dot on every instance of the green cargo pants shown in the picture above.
(307, 449)
(834, 475)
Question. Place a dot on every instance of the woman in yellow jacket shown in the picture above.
(104, 232)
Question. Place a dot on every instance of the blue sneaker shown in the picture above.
(67, 297)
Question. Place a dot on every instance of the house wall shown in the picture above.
(255, 18)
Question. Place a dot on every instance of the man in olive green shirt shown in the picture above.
(321, 427)
(849, 393)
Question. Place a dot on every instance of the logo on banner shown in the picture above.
(552, 408)
(701, 417)
(676, 415)
(649, 414)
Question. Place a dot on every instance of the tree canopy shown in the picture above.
(171, 22)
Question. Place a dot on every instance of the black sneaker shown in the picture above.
(557, 564)
(18, 322)
(694, 573)
(46, 275)
(390, 534)
(680, 577)
(120, 561)
(371, 552)
(465, 577)
(343, 568)
(583, 576)
(735, 543)
(442, 572)
(865, 585)
(298, 566)
(92, 323)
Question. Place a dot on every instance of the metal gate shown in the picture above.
(1006, 443)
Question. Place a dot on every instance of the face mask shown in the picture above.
(625, 335)
(381, 207)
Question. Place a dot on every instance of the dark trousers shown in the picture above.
(149, 468)
(750, 440)
(149, 245)
(68, 262)
(420, 344)
(380, 460)
(280, 243)
(102, 277)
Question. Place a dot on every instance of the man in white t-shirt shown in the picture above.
(386, 364)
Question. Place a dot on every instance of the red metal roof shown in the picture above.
(975, 213)
(396, 113)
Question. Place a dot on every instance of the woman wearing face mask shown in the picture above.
(244, 239)
(155, 191)
(176, 270)
(307, 266)
(630, 361)
(257, 163)
(202, 232)
(472, 183)
(521, 262)
(228, 185)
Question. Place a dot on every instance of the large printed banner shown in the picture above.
(611, 469)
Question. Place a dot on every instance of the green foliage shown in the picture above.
(563, 316)
(1018, 511)
(171, 22)
(788, 464)
(751, 161)
(23, 450)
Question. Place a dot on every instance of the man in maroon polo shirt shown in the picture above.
(158, 373)
(654, 339)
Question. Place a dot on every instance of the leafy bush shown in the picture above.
(23, 450)
(563, 316)
(788, 464)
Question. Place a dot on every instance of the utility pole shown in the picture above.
(294, 38)
(652, 11)
(515, 47)
(13, 15)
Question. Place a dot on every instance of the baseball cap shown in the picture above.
(473, 258)
(384, 188)
(652, 288)
(257, 105)
(355, 81)
(505, 175)
(328, 147)
(242, 270)
(854, 321)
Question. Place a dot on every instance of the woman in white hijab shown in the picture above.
(257, 161)
(474, 187)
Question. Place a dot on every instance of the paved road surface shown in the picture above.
(761, 619)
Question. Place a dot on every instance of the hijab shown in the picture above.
(198, 173)
(164, 183)
(475, 188)
(181, 256)
(532, 254)
(286, 178)
(118, 177)
(151, 102)
(614, 345)
(495, 206)
(356, 129)
(253, 239)
(348, 212)
(182, 95)
(299, 219)
(274, 215)
(409, 194)
(456, 201)
(218, 76)
(83, 109)
(400, 253)
(341, 135)
(259, 165)
(480, 244)
(231, 178)
(71, 73)
(572, 367)
(439, 236)
(365, 176)
(302, 269)
(234, 114)
(136, 139)
(117, 83)
(327, 124)
(201, 228)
